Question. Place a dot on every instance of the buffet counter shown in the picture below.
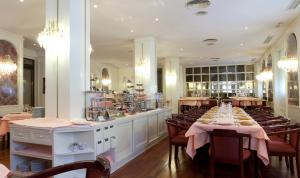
(61, 141)
(192, 101)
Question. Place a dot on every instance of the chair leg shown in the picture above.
(297, 164)
(287, 162)
(176, 152)
(170, 154)
(242, 171)
(291, 165)
(212, 169)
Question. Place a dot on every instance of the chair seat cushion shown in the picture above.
(182, 132)
(276, 138)
(280, 147)
(179, 140)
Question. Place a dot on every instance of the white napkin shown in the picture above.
(4, 171)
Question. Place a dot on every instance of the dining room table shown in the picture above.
(4, 124)
(192, 101)
(231, 118)
(4, 171)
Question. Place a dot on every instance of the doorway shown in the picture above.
(28, 82)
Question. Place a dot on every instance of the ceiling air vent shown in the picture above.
(294, 4)
(215, 59)
(268, 39)
(210, 40)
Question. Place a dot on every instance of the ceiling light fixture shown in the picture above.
(51, 37)
(265, 75)
(156, 19)
(242, 44)
(131, 31)
(95, 6)
(288, 64)
(246, 28)
(21, 0)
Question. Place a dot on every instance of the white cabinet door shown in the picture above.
(140, 136)
(124, 145)
(162, 127)
(99, 140)
(152, 128)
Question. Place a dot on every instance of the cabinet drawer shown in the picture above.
(20, 134)
(41, 137)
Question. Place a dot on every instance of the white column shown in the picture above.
(146, 64)
(67, 73)
(173, 81)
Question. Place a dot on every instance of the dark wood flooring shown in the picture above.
(154, 164)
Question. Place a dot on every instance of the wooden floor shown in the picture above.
(154, 164)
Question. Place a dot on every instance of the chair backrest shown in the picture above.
(94, 169)
(226, 146)
(172, 128)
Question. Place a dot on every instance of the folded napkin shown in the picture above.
(3, 171)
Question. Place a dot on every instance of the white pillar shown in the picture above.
(173, 81)
(146, 63)
(67, 73)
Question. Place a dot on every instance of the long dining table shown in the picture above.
(227, 118)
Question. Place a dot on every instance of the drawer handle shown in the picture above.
(111, 126)
(98, 130)
(105, 128)
(106, 139)
(99, 142)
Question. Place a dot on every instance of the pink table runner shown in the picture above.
(3, 171)
(4, 124)
(198, 137)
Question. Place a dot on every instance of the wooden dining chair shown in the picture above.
(175, 139)
(233, 153)
(94, 169)
(286, 147)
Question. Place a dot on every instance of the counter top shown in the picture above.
(69, 124)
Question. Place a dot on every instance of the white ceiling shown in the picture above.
(179, 32)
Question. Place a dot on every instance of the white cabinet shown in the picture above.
(162, 127)
(140, 133)
(152, 128)
(124, 146)
(99, 140)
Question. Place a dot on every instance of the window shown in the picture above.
(293, 92)
(220, 81)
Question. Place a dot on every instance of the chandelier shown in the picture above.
(7, 66)
(265, 75)
(288, 64)
(51, 37)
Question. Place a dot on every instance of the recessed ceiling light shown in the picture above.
(246, 28)
(21, 0)
(131, 31)
(95, 6)
(156, 19)
(34, 44)
(242, 44)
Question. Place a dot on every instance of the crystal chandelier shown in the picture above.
(7, 66)
(265, 75)
(51, 37)
(288, 64)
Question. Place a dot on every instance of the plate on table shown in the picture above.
(246, 123)
(15, 113)
(244, 118)
(205, 121)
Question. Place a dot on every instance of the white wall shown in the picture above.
(17, 41)
(279, 77)
(126, 73)
(96, 69)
